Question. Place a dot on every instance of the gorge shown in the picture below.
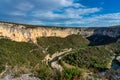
(71, 52)
(25, 33)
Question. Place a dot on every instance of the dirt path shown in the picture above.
(53, 61)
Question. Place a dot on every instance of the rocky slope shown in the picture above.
(25, 33)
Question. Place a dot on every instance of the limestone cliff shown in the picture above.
(25, 34)
(20, 32)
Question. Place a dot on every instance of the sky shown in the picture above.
(68, 13)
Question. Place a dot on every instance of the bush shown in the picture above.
(55, 44)
(70, 74)
(94, 57)
(19, 54)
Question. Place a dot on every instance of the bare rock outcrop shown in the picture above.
(23, 33)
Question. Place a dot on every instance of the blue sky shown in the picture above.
(69, 13)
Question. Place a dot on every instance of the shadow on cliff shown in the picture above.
(99, 39)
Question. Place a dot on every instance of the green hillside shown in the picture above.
(19, 54)
(25, 57)
(96, 58)
(55, 44)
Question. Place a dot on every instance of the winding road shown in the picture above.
(53, 61)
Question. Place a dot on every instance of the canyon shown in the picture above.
(54, 47)
(26, 33)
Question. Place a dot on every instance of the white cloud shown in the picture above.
(95, 21)
(66, 2)
(17, 13)
(101, 20)
(109, 16)
(82, 11)
(69, 13)
(47, 12)
(56, 4)
(24, 6)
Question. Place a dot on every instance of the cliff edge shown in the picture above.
(25, 33)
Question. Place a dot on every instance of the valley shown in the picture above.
(58, 53)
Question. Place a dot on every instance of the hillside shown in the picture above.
(58, 53)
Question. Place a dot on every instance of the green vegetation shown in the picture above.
(71, 74)
(45, 72)
(27, 57)
(55, 44)
(24, 57)
(115, 47)
(97, 58)
(19, 54)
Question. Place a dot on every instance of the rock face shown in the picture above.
(23, 33)
(111, 32)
